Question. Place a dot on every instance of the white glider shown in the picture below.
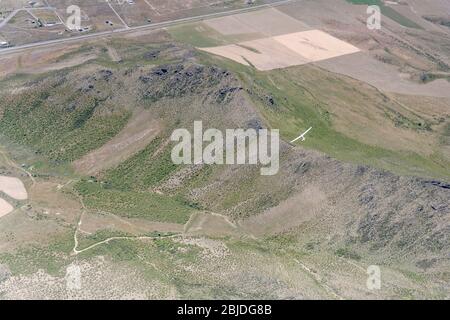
(302, 136)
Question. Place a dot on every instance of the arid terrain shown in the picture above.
(86, 177)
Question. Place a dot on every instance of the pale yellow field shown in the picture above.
(285, 50)
(13, 187)
(264, 54)
(316, 45)
(5, 208)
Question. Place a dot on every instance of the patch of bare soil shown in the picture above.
(210, 224)
(293, 212)
(50, 198)
(211, 248)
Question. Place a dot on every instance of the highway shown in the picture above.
(154, 26)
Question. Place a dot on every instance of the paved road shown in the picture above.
(154, 26)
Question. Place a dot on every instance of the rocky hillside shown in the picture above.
(321, 204)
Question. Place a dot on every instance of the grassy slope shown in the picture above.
(188, 32)
(60, 125)
(297, 110)
(142, 171)
(126, 189)
(132, 204)
(56, 130)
